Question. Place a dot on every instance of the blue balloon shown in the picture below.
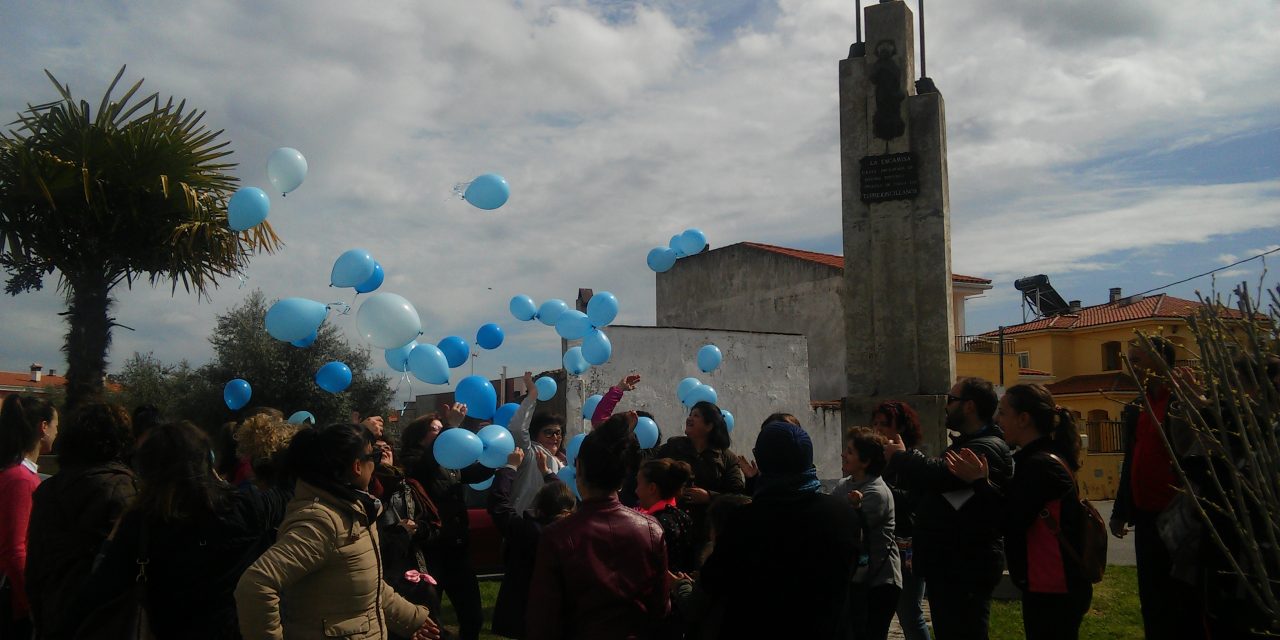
(286, 169)
(701, 393)
(374, 280)
(398, 358)
(351, 268)
(498, 444)
(546, 388)
(504, 414)
(569, 476)
(236, 394)
(573, 325)
(589, 407)
(692, 241)
(307, 341)
(479, 396)
(675, 245)
(295, 318)
(523, 308)
(550, 311)
(428, 364)
(602, 309)
(709, 358)
(247, 208)
(574, 363)
(647, 432)
(334, 377)
(455, 350)
(686, 385)
(302, 417)
(728, 420)
(596, 348)
(661, 259)
(481, 486)
(488, 192)
(489, 336)
(456, 448)
(571, 449)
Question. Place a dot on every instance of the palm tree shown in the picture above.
(140, 188)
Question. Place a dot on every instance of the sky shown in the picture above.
(1105, 144)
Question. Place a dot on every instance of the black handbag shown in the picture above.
(125, 615)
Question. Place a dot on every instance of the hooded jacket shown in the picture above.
(323, 576)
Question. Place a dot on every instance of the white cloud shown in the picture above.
(619, 126)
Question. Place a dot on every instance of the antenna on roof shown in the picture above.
(1040, 297)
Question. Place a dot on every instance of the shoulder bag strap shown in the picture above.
(1052, 523)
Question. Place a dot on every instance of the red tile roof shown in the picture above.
(832, 260)
(23, 379)
(1115, 382)
(1152, 308)
(1032, 372)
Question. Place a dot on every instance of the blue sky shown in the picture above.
(1104, 144)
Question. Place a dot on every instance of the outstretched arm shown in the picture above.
(611, 398)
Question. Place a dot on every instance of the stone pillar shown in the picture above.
(897, 246)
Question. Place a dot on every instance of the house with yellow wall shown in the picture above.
(1078, 356)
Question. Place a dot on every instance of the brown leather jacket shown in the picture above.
(600, 573)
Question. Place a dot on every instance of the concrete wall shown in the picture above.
(746, 289)
(762, 373)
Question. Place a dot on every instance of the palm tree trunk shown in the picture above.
(88, 336)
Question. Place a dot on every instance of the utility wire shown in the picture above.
(1210, 272)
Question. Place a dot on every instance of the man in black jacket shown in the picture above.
(957, 545)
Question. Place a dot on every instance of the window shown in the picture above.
(1111, 356)
(1024, 360)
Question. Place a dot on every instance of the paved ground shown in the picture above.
(1119, 552)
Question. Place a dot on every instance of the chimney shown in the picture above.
(1073, 306)
(36, 368)
(1115, 294)
(584, 296)
(52, 372)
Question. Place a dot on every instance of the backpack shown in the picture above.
(1092, 557)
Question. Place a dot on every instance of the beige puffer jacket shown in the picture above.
(323, 577)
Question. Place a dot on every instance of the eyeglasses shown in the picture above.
(951, 398)
(552, 434)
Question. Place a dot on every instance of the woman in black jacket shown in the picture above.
(75, 510)
(1042, 517)
(196, 533)
(895, 419)
(520, 535)
(445, 541)
(705, 447)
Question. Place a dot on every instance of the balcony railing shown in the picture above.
(983, 344)
(1105, 436)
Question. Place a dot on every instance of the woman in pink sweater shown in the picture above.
(28, 427)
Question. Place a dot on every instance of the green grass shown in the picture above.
(1114, 614)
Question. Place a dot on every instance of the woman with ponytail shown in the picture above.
(323, 576)
(28, 427)
(602, 571)
(1042, 512)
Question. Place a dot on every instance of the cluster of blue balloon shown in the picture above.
(431, 363)
(682, 245)
(572, 324)
(249, 206)
(691, 391)
(487, 192)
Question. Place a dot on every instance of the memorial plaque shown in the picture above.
(889, 177)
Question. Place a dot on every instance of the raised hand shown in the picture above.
(516, 458)
(894, 447)
(629, 382)
(542, 460)
(749, 468)
(455, 413)
(697, 495)
(855, 499)
(529, 387)
(374, 425)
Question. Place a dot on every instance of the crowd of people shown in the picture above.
(272, 530)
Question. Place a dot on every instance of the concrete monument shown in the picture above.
(897, 244)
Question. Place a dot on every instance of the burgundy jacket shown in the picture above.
(600, 573)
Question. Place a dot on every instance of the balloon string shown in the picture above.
(460, 190)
